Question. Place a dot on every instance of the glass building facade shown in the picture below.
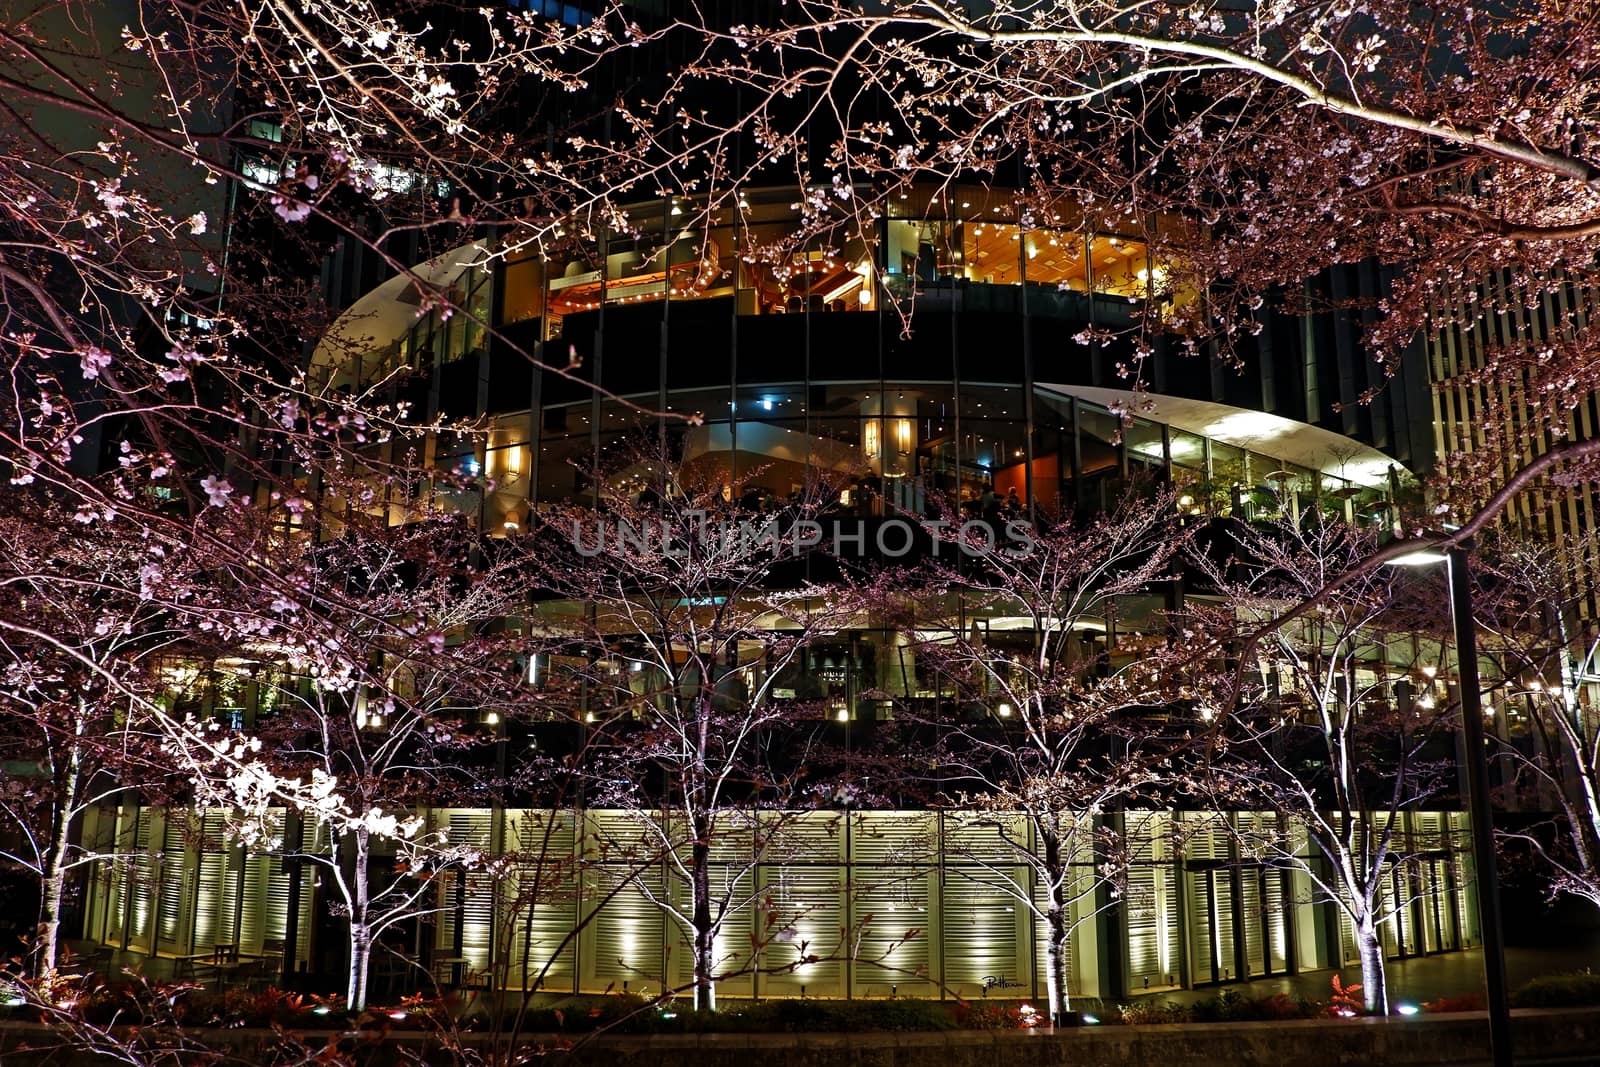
(959, 352)
(895, 903)
(948, 354)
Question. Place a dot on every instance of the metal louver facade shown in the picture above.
(813, 903)
(1151, 912)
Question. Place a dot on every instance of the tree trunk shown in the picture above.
(1056, 945)
(54, 889)
(360, 963)
(1374, 988)
(360, 930)
(1056, 967)
(54, 882)
(705, 991)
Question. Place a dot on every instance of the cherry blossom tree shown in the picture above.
(76, 674)
(399, 706)
(1338, 728)
(1060, 720)
(1528, 606)
(680, 615)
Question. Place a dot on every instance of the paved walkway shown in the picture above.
(1451, 974)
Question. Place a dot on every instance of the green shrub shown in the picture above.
(1559, 991)
(1229, 1005)
(1226, 1006)
(1150, 1011)
(991, 1015)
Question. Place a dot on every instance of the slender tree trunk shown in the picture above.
(54, 883)
(360, 929)
(1056, 967)
(54, 890)
(1056, 937)
(705, 991)
(360, 964)
(1374, 986)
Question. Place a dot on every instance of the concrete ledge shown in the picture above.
(1458, 1040)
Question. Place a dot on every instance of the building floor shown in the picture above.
(1450, 974)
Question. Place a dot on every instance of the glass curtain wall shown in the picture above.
(793, 357)
(892, 903)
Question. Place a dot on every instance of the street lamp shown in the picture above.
(1494, 959)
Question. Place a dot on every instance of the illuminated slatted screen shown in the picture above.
(1155, 948)
(894, 856)
(539, 900)
(625, 939)
(466, 899)
(803, 883)
(811, 923)
(174, 883)
(984, 939)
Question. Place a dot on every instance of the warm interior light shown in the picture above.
(1004, 711)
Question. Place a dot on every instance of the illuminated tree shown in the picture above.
(1055, 720)
(1336, 729)
(393, 698)
(680, 615)
(82, 657)
(1528, 605)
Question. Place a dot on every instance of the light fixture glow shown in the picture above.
(1422, 557)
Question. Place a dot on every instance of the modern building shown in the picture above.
(946, 354)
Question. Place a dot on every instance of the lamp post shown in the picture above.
(1494, 960)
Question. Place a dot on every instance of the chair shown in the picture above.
(448, 971)
(266, 969)
(92, 956)
(224, 960)
(480, 978)
(391, 968)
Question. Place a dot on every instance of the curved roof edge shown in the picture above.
(384, 314)
(1283, 439)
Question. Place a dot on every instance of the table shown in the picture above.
(448, 965)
